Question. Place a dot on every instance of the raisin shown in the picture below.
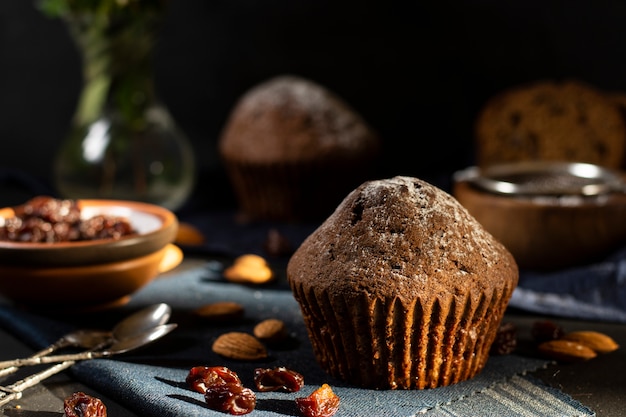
(103, 227)
(230, 398)
(200, 378)
(278, 379)
(222, 389)
(545, 330)
(48, 220)
(322, 402)
(505, 341)
(50, 210)
(80, 404)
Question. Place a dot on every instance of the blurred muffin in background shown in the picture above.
(293, 150)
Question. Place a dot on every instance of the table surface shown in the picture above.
(599, 384)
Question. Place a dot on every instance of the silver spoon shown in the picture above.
(140, 339)
(14, 391)
(87, 339)
(143, 319)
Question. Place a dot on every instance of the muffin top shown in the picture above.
(289, 118)
(402, 237)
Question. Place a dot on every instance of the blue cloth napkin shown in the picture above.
(151, 381)
(590, 292)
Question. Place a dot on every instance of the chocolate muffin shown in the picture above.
(401, 288)
(293, 149)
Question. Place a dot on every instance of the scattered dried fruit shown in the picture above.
(566, 350)
(222, 389)
(220, 311)
(270, 331)
(322, 402)
(231, 398)
(598, 342)
(505, 341)
(80, 404)
(240, 346)
(249, 269)
(277, 379)
(200, 378)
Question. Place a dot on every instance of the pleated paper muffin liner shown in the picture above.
(390, 344)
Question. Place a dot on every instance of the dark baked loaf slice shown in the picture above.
(619, 98)
(549, 120)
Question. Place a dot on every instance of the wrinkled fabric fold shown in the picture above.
(592, 292)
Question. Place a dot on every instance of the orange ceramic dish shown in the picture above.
(549, 233)
(95, 273)
(156, 228)
(80, 287)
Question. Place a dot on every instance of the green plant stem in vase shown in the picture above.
(123, 142)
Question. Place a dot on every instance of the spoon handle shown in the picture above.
(14, 391)
(123, 346)
(38, 360)
(97, 342)
(53, 347)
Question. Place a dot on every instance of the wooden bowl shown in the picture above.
(90, 274)
(547, 233)
(75, 288)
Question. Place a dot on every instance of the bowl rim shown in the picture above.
(94, 251)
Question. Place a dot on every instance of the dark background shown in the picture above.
(417, 71)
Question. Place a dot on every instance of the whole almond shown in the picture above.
(566, 350)
(249, 269)
(220, 311)
(597, 341)
(240, 346)
(270, 330)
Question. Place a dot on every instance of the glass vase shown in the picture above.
(123, 142)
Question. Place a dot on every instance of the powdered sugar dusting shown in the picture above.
(437, 234)
(432, 201)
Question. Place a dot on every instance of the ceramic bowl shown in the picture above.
(156, 227)
(549, 232)
(91, 274)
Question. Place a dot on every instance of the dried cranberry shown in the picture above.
(230, 398)
(80, 404)
(505, 341)
(322, 402)
(200, 378)
(278, 379)
(545, 330)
